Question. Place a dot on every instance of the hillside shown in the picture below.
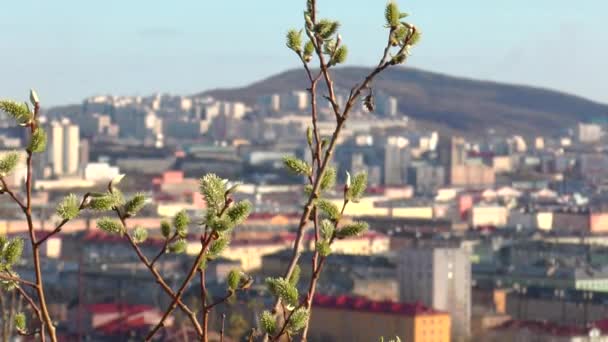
(451, 103)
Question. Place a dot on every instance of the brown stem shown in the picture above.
(4, 320)
(222, 329)
(159, 279)
(284, 327)
(6, 189)
(46, 322)
(341, 119)
(205, 312)
(182, 289)
(11, 277)
(164, 249)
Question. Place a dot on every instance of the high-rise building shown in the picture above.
(425, 178)
(71, 148)
(452, 152)
(439, 277)
(589, 133)
(55, 148)
(297, 101)
(396, 158)
(387, 106)
(63, 150)
(270, 103)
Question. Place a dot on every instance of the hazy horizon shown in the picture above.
(72, 50)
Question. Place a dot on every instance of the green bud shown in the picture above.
(294, 40)
(392, 14)
(329, 178)
(268, 322)
(233, 280)
(135, 204)
(352, 230)
(104, 203)
(140, 234)
(34, 97)
(13, 250)
(297, 166)
(309, 136)
(239, 212)
(415, 38)
(18, 111)
(327, 229)
(297, 321)
(339, 56)
(178, 246)
(38, 141)
(8, 163)
(329, 209)
(284, 290)
(213, 189)
(309, 49)
(327, 28)
(357, 187)
(181, 222)
(323, 248)
(20, 322)
(295, 275)
(165, 229)
(69, 208)
(110, 226)
(218, 246)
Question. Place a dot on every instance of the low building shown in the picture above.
(524, 331)
(489, 215)
(357, 319)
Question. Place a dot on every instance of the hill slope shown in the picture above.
(452, 103)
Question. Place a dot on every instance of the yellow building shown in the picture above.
(249, 252)
(361, 320)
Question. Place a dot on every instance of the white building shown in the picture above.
(98, 172)
(439, 278)
(589, 133)
(63, 150)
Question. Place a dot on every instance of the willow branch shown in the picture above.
(6, 189)
(159, 279)
(182, 288)
(164, 249)
(64, 221)
(11, 277)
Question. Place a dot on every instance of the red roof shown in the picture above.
(131, 317)
(117, 307)
(97, 235)
(267, 216)
(554, 329)
(366, 305)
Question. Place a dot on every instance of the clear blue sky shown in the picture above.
(72, 49)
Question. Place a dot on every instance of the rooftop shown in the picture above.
(361, 304)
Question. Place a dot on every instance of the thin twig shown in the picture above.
(181, 290)
(164, 249)
(206, 239)
(64, 221)
(6, 189)
(159, 279)
(11, 277)
(222, 329)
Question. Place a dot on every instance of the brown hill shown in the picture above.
(452, 103)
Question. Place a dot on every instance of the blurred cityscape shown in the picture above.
(479, 237)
